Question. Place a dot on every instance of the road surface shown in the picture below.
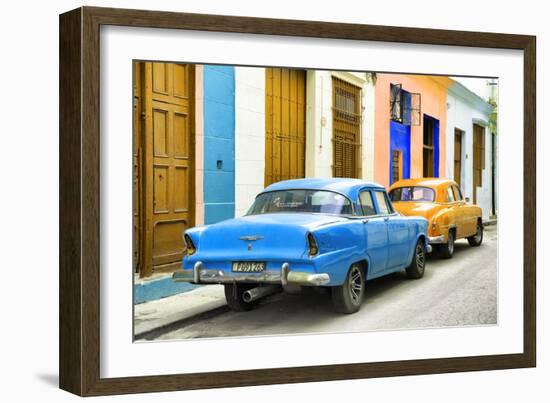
(461, 291)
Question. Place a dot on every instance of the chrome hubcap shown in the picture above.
(478, 233)
(420, 258)
(355, 284)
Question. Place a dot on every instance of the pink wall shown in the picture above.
(433, 91)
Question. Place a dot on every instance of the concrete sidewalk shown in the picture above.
(154, 315)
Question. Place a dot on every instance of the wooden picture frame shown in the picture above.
(79, 200)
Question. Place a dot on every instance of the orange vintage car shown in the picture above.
(440, 201)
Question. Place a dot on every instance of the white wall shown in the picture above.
(462, 113)
(249, 136)
(250, 128)
(319, 122)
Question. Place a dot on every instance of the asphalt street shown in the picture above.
(461, 291)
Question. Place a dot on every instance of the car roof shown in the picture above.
(434, 183)
(347, 186)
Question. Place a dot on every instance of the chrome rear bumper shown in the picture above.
(437, 239)
(284, 276)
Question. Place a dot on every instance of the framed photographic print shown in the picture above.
(249, 201)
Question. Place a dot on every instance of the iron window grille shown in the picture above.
(405, 107)
(346, 127)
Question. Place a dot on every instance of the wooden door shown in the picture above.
(346, 129)
(137, 154)
(458, 156)
(428, 148)
(167, 164)
(285, 124)
(479, 157)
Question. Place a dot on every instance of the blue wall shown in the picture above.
(436, 144)
(219, 143)
(400, 139)
(436, 148)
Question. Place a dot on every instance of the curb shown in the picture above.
(158, 316)
(153, 333)
(151, 289)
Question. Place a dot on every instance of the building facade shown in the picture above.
(471, 144)
(411, 117)
(208, 139)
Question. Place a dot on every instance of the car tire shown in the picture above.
(418, 264)
(347, 298)
(475, 240)
(234, 297)
(447, 250)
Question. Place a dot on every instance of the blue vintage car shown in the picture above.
(334, 233)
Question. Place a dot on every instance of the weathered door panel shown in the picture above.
(458, 157)
(479, 157)
(168, 163)
(284, 125)
(137, 154)
(172, 176)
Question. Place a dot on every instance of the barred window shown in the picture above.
(396, 164)
(346, 128)
(405, 107)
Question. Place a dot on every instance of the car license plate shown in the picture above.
(249, 267)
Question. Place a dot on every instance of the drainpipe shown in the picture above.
(493, 212)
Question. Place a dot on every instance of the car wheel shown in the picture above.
(234, 297)
(475, 240)
(447, 250)
(418, 264)
(347, 298)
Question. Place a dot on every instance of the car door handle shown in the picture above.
(365, 221)
(386, 218)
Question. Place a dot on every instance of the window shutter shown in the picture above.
(395, 102)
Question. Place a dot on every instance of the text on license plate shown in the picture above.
(249, 267)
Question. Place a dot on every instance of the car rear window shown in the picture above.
(412, 193)
(301, 201)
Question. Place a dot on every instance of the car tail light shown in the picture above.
(313, 248)
(189, 245)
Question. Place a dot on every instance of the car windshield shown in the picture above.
(301, 201)
(412, 193)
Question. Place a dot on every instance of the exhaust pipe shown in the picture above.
(259, 292)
